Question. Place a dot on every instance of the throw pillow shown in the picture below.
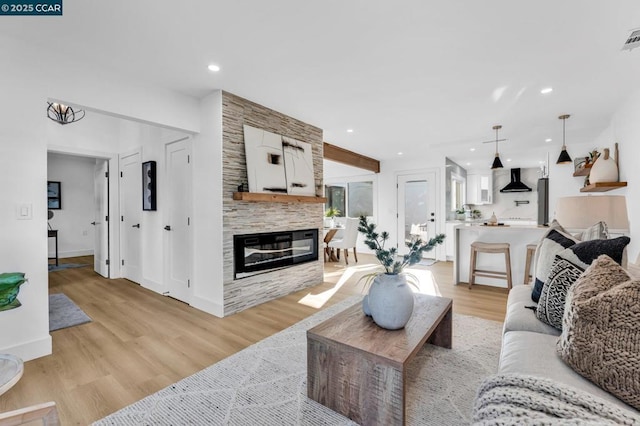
(600, 336)
(585, 252)
(554, 292)
(597, 231)
(553, 243)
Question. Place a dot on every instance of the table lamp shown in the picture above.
(581, 212)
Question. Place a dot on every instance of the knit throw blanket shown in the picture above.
(510, 399)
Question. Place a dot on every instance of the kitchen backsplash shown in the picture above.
(504, 203)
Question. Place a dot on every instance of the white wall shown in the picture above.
(26, 85)
(208, 293)
(73, 220)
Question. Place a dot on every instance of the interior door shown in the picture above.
(416, 209)
(178, 219)
(101, 216)
(130, 215)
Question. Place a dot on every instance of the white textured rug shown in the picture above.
(266, 383)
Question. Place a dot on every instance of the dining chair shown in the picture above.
(348, 240)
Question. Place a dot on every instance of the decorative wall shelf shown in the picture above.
(277, 198)
(603, 186)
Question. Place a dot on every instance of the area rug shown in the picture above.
(64, 313)
(266, 383)
(63, 266)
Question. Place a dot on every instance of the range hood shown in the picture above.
(516, 184)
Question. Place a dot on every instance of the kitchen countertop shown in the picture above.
(477, 226)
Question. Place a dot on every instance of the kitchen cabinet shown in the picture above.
(480, 188)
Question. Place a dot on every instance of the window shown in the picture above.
(458, 197)
(353, 199)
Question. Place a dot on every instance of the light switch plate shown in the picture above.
(24, 211)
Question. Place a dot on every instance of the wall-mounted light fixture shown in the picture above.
(63, 114)
(564, 157)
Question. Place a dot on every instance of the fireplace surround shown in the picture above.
(263, 252)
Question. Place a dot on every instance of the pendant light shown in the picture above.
(497, 164)
(564, 157)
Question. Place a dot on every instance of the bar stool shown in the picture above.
(531, 250)
(480, 247)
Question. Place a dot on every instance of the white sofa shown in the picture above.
(529, 346)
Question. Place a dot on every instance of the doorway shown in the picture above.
(417, 195)
(130, 215)
(177, 236)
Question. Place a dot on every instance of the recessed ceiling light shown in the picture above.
(468, 164)
(508, 159)
(546, 90)
(399, 153)
(472, 149)
(349, 130)
(541, 162)
(548, 140)
(214, 68)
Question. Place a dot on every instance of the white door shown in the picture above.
(130, 215)
(101, 216)
(178, 220)
(416, 209)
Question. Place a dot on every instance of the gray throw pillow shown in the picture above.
(585, 252)
(597, 231)
(554, 292)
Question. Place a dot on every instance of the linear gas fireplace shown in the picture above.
(259, 253)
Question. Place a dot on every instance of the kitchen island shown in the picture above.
(518, 236)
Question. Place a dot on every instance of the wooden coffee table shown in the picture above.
(358, 369)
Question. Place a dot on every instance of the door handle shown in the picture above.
(167, 228)
(432, 220)
(93, 223)
(137, 225)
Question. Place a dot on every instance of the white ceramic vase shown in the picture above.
(390, 301)
(604, 169)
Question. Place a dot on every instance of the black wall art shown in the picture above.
(149, 185)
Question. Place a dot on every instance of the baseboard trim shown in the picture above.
(152, 285)
(31, 350)
(207, 306)
(74, 253)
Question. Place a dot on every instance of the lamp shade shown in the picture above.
(564, 157)
(497, 164)
(581, 212)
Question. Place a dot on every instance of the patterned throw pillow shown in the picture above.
(553, 243)
(585, 252)
(554, 292)
(597, 231)
(600, 335)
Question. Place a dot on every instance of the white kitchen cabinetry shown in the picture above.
(480, 188)
(449, 241)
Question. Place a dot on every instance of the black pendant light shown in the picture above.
(497, 164)
(63, 114)
(564, 157)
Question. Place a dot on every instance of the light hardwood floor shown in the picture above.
(140, 342)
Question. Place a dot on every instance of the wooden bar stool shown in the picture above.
(531, 250)
(480, 247)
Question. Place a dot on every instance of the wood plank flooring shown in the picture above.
(140, 342)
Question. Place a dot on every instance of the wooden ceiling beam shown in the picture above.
(350, 158)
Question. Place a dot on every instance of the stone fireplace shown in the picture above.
(249, 217)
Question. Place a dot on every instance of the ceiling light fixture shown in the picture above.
(349, 130)
(548, 140)
(564, 157)
(546, 90)
(213, 68)
(508, 159)
(63, 114)
(472, 149)
(400, 153)
(497, 164)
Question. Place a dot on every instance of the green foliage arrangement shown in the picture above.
(387, 257)
(331, 212)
